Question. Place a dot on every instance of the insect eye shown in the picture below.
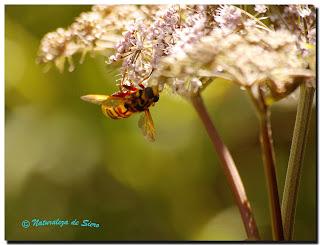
(155, 98)
(149, 92)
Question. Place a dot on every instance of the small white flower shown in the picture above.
(228, 18)
(261, 8)
(304, 11)
(88, 28)
(56, 47)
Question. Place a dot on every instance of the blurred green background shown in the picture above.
(65, 160)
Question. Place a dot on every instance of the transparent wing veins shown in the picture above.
(146, 125)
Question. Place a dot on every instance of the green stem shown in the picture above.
(230, 170)
(298, 145)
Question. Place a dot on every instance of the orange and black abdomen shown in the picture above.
(117, 112)
(137, 101)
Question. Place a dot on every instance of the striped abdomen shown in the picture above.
(137, 101)
(117, 112)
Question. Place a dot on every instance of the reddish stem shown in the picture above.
(230, 170)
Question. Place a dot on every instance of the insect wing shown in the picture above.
(147, 127)
(110, 105)
(97, 99)
(113, 101)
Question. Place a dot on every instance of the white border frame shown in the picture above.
(73, 2)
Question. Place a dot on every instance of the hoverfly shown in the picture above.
(123, 104)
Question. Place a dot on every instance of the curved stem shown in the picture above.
(230, 170)
(298, 145)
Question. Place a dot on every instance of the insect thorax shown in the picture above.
(142, 99)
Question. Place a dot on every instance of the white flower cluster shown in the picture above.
(57, 44)
(186, 46)
(88, 28)
(254, 56)
(299, 19)
(95, 31)
(144, 43)
(194, 29)
(228, 18)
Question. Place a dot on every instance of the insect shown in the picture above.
(123, 104)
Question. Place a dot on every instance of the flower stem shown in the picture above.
(298, 145)
(270, 172)
(230, 170)
(269, 163)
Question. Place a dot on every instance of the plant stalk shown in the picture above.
(230, 170)
(298, 146)
(270, 172)
(268, 156)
